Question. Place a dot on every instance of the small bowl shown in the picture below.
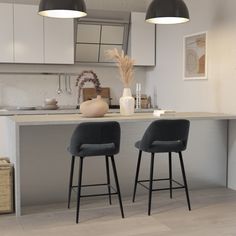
(50, 101)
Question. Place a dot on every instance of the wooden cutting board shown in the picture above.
(90, 93)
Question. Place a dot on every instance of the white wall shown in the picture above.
(166, 82)
(31, 90)
(226, 55)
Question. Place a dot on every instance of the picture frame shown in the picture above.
(195, 56)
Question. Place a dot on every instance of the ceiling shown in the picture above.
(119, 5)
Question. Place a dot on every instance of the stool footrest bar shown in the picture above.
(156, 180)
(113, 188)
(143, 185)
(164, 189)
(180, 186)
(96, 185)
(144, 181)
(98, 195)
(178, 183)
(90, 185)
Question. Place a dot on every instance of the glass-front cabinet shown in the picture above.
(93, 39)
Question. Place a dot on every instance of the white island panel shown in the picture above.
(232, 155)
(45, 162)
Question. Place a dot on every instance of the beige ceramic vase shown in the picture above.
(127, 103)
(96, 107)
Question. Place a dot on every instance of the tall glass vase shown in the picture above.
(127, 103)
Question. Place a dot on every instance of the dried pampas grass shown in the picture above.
(125, 66)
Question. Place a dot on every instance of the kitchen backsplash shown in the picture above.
(31, 90)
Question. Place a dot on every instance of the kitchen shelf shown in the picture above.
(38, 73)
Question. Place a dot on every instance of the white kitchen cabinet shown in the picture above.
(28, 34)
(6, 33)
(93, 39)
(58, 41)
(142, 40)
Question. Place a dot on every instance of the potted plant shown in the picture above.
(126, 68)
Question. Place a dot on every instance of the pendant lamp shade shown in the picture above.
(62, 8)
(167, 12)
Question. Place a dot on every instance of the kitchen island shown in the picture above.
(37, 145)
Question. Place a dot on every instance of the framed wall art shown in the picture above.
(195, 56)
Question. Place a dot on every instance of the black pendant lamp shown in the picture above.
(62, 8)
(167, 12)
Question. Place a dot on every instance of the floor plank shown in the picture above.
(213, 213)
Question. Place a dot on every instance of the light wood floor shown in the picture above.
(213, 214)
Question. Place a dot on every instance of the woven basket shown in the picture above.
(6, 186)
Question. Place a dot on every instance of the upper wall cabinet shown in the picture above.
(6, 33)
(87, 42)
(142, 47)
(26, 37)
(94, 38)
(59, 41)
(28, 34)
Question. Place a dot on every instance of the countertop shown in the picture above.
(12, 112)
(59, 119)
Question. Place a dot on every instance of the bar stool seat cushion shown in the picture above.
(162, 146)
(95, 139)
(86, 150)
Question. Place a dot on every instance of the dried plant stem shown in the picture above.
(124, 64)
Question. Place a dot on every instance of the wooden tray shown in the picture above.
(90, 93)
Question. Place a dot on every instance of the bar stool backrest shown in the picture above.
(166, 130)
(96, 133)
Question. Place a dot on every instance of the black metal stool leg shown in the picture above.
(79, 189)
(117, 185)
(137, 174)
(170, 173)
(185, 180)
(108, 179)
(71, 179)
(150, 184)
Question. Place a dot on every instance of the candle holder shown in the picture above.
(138, 96)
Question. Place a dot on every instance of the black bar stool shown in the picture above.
(163, 136)
(95, 139)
